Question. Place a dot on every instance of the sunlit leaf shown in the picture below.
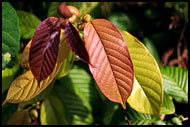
(10, 30)
(147, 94)
(44, 49)
(28, 23)
(112, 66)
(75, 42)
(168, 105)
(52, 112)
(175, 81)
(20, 118)
(25, 87)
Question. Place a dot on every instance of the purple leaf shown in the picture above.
(44, 49)
(75, 42)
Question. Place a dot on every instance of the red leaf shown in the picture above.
(44, 49)
(75, 42)
(113, 71)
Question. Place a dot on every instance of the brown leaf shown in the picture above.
(113, 71)
(75, 42)
(20, 118)
(44, 49)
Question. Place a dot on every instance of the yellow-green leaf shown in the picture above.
(52, 112)
(25, 87)
(147, 93)
(8, 75)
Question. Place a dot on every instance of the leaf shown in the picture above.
(124, 21)
(88, 7)
(167, 106)
(75, 42)
(66, 66)
(44, 49)
(8, 75)
(52, 10)
(152, 49)
(20, 118)
(24, 62)
(112, 66)
(78, 94)
(137, 118)
(52, 112)
(25, 87)
(28, 23)
(175, 81)
(7, 111)
(10, 30)
(147, 94)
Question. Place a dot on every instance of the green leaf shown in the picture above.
(147, 93)
(108, 110)
(10, 30)
(77, 93)
(167, 106)
(66, 66)
(175, 81)
(52, 10)
(87, 7)
(8, 75)
(151, 48)
(123, 21)
(52, 112)
(137, 118)
(28, 23)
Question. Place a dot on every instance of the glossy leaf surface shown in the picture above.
(147, 94)
(112, 66)
(75, 42)
(44, 49)
(175, 81)
(25, 87)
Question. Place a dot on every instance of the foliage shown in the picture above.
(81, 64)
